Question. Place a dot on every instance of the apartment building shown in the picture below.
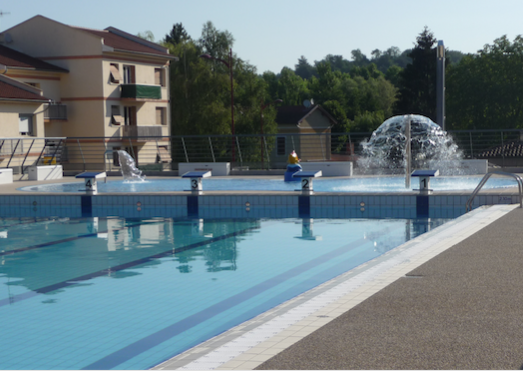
(105, 89)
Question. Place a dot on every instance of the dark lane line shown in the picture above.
(132, 350)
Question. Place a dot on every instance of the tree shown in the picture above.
(177, 35)
(146, 35)
(201, 92)
(360, 59)
(289, 87)
(417, 85)
(214, 42)
(484, 90)
(304, 69)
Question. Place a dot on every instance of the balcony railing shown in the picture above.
(137, 91)
(142, 132)
(55, 112)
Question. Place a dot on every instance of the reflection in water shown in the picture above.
(73, 251)
(105, 247)
(307, 230)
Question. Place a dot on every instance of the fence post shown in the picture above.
(212, 150)
(267, 152)
(471, 149)
(13, 152)
(502, 152)
(185, 150)
(82, 152)
(27, 154)
(239, 151)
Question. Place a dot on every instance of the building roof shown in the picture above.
(511, 149)
(296, 114)
(14, 59)
(11, 89)
(120, 40)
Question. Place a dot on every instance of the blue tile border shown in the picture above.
(236, 205)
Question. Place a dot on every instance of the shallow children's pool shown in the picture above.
(115, 293)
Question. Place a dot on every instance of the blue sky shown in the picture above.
(272, 34)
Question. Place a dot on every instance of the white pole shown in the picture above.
(408, 155)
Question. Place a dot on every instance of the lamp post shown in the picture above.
(440, 85)
(261, 125)
(229, 66)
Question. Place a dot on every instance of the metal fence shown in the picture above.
(254, 152)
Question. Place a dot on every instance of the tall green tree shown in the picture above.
(214, 42)
(177, 35)
(304, 69)
(485, 90)
(201, 90)
(417, 85)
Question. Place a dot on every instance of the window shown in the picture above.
(160, 116)
(129, 116)
(115, 73)
(159, 76)
(116, 118)
(128, 75)
(25, 125)
(280, 146)
(116, 156)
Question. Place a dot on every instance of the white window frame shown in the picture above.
(25, 124)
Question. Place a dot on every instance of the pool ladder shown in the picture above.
(487, 177)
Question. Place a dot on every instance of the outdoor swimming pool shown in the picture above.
(116, 293)
(353, 184)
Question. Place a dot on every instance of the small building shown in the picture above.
(305, 129)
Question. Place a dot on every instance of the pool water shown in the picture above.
(116, 293)
(353, 184)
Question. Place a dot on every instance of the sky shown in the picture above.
(272, 34)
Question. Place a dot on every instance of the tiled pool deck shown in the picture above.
(308, 331)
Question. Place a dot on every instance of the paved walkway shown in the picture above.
(463, 309)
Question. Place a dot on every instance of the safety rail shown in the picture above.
(468, 205)
(502, 148)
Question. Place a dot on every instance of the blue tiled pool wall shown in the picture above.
(245, 205)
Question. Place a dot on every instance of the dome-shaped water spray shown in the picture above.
(431, 147)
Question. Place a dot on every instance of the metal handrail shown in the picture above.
(468, 205)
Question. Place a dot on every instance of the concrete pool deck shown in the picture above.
(449, 299)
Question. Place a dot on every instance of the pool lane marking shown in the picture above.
(132, 350)
(74, 281)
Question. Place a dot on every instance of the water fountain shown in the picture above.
(431, 147)
(128, 167)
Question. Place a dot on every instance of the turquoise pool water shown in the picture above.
(116, 293)
(353, 184)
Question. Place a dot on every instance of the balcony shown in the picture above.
(136, 91)
(55, 112)
(143, 133)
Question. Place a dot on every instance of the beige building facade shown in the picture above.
(109, 89)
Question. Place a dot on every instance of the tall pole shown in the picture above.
(233, 149)
(440, 85)
(408, 154)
